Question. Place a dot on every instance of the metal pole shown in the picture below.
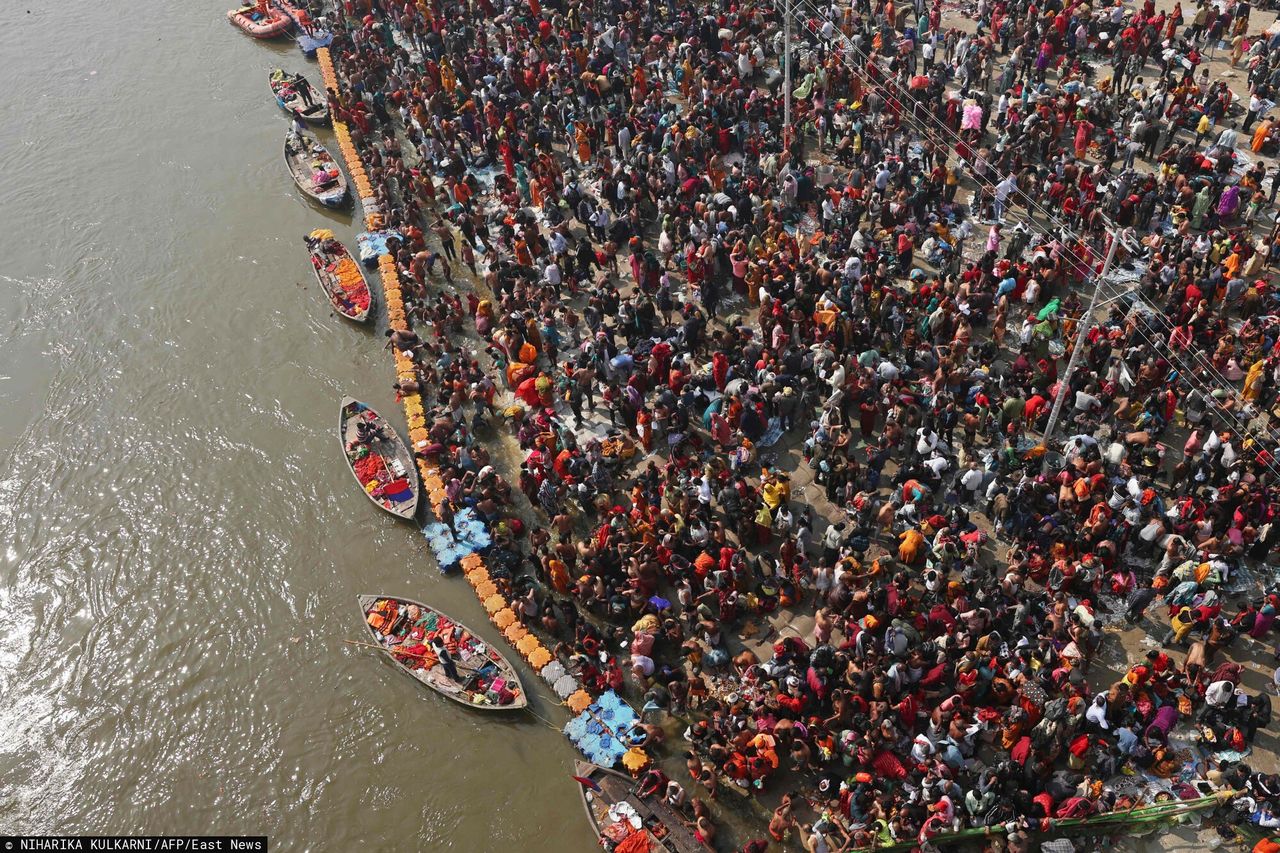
(1064, 384)
(786, 75)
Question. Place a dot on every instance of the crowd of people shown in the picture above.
(752, 367)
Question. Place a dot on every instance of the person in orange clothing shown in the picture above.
(558, 573)
(1260, 135)
(644, 426)
(584, 143)
(462, 193)
(910, 545)
(1268, 845)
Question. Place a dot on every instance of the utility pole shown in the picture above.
(786, 75)
(1064, 384)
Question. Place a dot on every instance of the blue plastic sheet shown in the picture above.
(603, 731)
(311, 43)
(370, 245)
(468, 535)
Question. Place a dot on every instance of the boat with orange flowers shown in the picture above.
(413, 634)
(339, 275)
(379, 459)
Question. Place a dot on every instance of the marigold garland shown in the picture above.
(355, 168)
(473, 565)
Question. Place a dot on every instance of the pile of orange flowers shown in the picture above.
(352, 282)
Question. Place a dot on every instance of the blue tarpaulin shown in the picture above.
(450, 544)
(372, 244)
(311, 43)
(603, 732)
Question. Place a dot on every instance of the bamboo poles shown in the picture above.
(1103, 824)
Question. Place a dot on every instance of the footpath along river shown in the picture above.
(180, 542)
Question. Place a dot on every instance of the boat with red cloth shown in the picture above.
(408, 632)
(379, 459)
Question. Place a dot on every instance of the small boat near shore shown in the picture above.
(406, 631)
(378, 458)
(339, 275)
(616, 813)
(314, 170)
(288, 91)
(260, 21)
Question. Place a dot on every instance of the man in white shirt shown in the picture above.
(552, 274)
(1085, 401)
(1217, 696)
(971, 481)
(926, 440)
(1255, 104)
(1097, 713)
(938, 464)
(1003, 190)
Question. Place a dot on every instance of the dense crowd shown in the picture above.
(676, 293)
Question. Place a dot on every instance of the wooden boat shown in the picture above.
(260, 21)
(663, 824)
(339, 275)
(380, 461)
(285, 87)
(486, 679)
(314, 171)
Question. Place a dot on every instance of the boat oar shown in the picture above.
(420, 656)
(384, 648)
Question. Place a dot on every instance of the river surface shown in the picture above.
(181, 543)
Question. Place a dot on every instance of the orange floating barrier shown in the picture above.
(579, 701)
